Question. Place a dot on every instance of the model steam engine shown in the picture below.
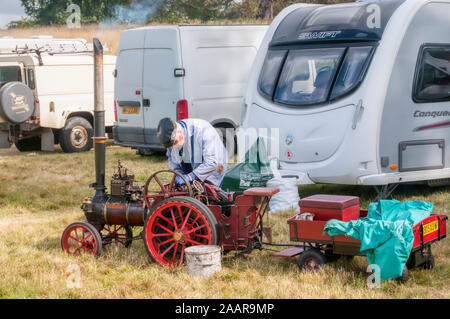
(173, 217)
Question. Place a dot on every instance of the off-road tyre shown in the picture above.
(76, 136)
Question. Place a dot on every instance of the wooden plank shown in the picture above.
(290, 252)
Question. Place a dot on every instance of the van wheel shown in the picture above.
(144, 151)
(76, 136)
(29, 145)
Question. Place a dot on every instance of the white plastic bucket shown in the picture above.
(203, 261)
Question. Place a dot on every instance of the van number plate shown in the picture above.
(430, 227)
(130, 110)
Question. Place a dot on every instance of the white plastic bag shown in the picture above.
(288, 196)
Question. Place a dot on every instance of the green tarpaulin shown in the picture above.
(255, 171)
(386, 233)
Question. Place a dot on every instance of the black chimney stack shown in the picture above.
(99, 120)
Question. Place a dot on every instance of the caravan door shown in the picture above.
(162, 86)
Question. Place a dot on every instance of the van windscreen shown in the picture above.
(312, 76)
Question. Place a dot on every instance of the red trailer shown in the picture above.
(318, 248)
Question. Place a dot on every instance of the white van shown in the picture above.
(47, 93)
(181, 72)
(379, 110)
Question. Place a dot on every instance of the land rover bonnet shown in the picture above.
(321, 53)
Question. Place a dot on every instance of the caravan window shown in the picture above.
(270, 72)
(297, 86)
(433, 75)
(351, 72)
(313, 76)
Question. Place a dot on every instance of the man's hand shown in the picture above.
(179, 181)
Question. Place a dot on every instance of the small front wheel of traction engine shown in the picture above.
(81, 237)
(175, 224)
(311, 260)
(117, 234)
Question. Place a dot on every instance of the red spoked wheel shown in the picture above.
(175, 224)
(117, 234)
(80, 238)
(161, 185)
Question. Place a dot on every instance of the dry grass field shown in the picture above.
(41, 193)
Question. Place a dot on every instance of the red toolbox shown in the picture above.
(326, 207)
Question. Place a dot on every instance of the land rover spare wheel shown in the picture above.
(76, 136)
(17, 102)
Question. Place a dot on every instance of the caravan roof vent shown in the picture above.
(358, 21)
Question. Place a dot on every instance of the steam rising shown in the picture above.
(138, 12)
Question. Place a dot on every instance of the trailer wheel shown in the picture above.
(175, 224)
(311, 260)
(76, 136)
(81, 237)
(404, 277)
(29, 145)
(117, 234)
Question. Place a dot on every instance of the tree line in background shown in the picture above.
(54, 12)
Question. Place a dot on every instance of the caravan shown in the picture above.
(378, 110)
